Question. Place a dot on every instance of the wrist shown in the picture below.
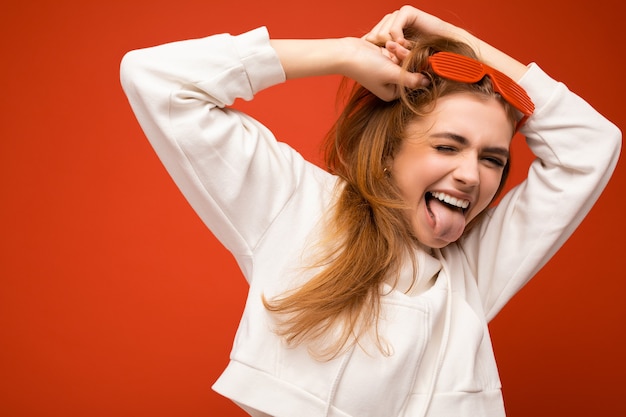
(490, 55)
(347, 56)
(311, 57)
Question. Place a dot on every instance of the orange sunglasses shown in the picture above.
(463, 69)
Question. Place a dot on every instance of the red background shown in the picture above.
(115, 300)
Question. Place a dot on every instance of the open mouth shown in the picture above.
(447, 200)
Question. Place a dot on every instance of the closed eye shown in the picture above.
(496, 162)
(445, 148)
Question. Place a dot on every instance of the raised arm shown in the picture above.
(225, 163)
(370, 65)
(389, 32)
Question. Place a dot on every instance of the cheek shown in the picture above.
(407, 176)
(489, 184)
(492, 182)
(406, 185)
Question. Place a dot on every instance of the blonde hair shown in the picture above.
(367, 237)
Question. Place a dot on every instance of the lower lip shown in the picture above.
(429, 216)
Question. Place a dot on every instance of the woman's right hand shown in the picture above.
(372, 66)
(379, 69)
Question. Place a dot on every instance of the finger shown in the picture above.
(377, 35)
(396, 27)
(399, 51)
(388, 29)
(414, 80)
(407, 17)
(385, 29)
(410, 80)
(389, 54)
(391, 90)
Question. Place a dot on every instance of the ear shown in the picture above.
(387, 166)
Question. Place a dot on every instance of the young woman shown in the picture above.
(372, 283)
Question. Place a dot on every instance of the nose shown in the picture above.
(467, 171)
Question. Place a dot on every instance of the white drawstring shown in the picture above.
(333, 388)
(442, 349)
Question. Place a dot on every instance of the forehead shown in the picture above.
(474, 116)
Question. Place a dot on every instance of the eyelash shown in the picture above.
(492, 160)
(496, 161)
(444, 148)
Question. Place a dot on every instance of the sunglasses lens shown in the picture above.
(456, 67)
(466, 70)
(512, 92)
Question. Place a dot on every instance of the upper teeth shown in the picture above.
(453, 201)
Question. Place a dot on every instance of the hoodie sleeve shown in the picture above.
(229, 167)
(576, 151)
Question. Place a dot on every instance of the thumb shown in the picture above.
(413, 80)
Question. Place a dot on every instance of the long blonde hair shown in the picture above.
(368, 236)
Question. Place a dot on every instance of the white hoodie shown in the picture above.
(264, 202)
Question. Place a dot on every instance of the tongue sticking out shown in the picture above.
(449, 222)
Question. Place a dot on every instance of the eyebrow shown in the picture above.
(462, 140)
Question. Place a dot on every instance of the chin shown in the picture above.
(433, 243)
